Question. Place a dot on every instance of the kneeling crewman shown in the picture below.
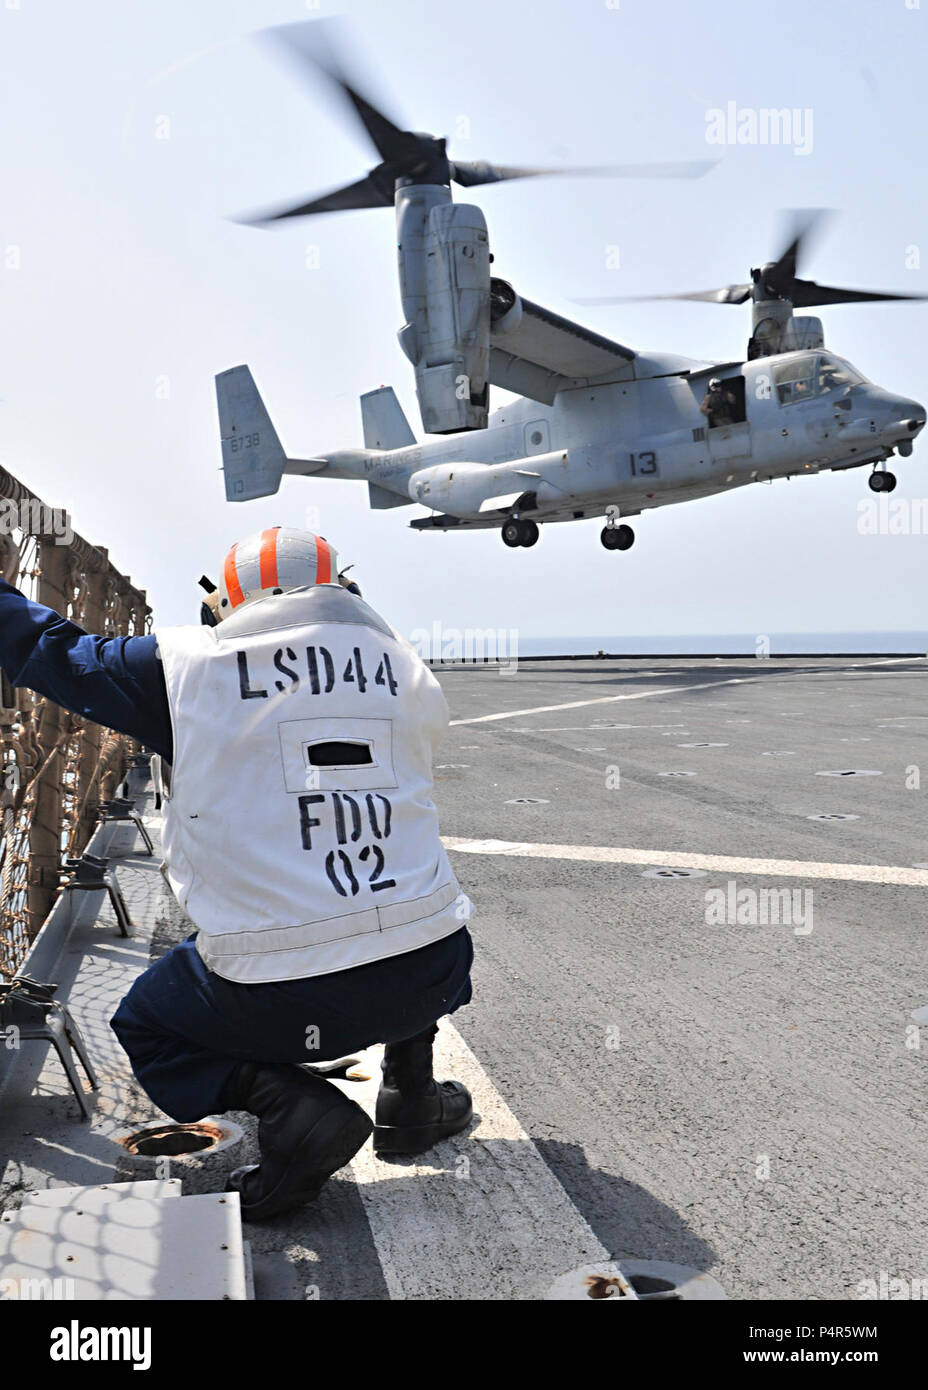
(296, 737)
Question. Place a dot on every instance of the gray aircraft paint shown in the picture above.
(601, 436)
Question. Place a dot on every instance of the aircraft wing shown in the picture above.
(535, 352)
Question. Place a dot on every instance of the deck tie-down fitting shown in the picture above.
(636, 1281)
(121, 808)
(92, 874)
(31, 1008)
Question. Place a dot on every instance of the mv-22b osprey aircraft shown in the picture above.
(600, 429)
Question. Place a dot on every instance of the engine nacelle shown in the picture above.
(444, 263)
(803, 335)
(777, 329)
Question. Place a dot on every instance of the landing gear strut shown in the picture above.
(617, 537)
(882, 482)
(519, 532)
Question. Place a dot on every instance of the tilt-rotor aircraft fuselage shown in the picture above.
(600, 429)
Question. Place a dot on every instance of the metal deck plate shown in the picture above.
(94, 1199)
(137, 1248)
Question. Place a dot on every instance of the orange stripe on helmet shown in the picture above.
(323, 562)
(267, 559)
(230, 575)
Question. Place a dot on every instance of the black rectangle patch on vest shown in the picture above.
(334, 753)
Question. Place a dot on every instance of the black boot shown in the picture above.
(414, 1110)
(308, 1129)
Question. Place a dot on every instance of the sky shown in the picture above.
(133, 133)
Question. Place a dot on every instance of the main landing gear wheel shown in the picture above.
(617, 537)
(519, 533)
(882, 482)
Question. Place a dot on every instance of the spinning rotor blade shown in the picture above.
(779, 280)
(775, 280)
(730, 294)
(472, 173)
(314, 45)
(781, 273)
(405, 154)
(363, 194)
(805, 293)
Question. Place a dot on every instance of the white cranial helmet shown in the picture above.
(271, 562)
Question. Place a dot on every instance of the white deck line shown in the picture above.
(682, 859)
(668, 690)
(481, 1216)
(599, 700)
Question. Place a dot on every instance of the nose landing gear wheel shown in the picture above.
(617, 537)
(519, 533)
(882, 482)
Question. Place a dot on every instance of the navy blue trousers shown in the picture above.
(186, 1029)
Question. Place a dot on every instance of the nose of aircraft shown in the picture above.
(897, 418)
(908, 418)
(914, 416)
(902, 420)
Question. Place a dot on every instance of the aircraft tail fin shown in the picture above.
(385, 425)
(253, 459)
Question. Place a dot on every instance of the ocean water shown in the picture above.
(730, 644)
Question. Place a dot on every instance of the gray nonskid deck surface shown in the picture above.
(664, 1065)
(746, 1099)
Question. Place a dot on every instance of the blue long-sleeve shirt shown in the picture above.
(115, 681)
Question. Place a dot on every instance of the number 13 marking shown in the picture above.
(644, 463)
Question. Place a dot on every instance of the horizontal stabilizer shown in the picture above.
(385, 425)
(253, 459)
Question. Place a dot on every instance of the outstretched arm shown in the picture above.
(115, 681)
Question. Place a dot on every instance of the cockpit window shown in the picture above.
(834, 372)
(796, 380)
(812, 374)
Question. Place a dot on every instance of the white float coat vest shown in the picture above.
(299, 830)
